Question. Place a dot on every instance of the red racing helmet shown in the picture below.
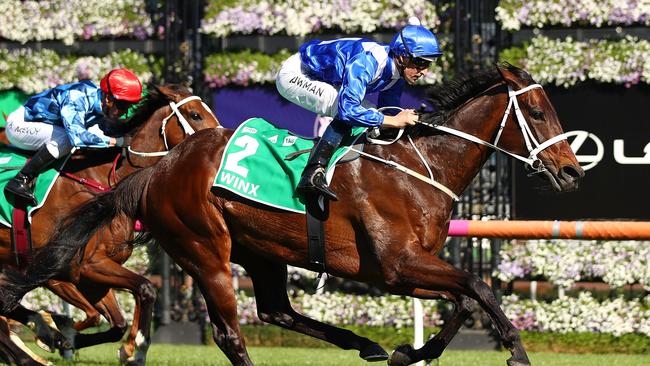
(122, 84)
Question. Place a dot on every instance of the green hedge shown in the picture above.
(585, 343)
(272, 336)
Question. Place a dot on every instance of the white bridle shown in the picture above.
(187, 129)
(534, 147)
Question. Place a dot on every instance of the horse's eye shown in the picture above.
(538, 115)
(195, 116)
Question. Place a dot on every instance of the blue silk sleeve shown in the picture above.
(358, 73)
(73, 113)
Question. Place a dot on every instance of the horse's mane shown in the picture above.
(154, 100)
(446, 98)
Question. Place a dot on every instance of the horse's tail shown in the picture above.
(72, 234)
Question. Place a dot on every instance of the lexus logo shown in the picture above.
(588, 161)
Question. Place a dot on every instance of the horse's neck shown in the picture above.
(458, 160)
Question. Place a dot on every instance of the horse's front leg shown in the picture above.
(106, 306)
(49, 338)
(273, 306)
(106, 272)
(405, 354)
(10, 352)
(215, 282)
(419, 269)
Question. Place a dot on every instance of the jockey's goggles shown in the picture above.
(419, 62)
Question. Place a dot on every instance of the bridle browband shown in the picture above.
(187, 129)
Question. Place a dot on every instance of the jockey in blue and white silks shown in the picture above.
(71, 115)
(75, 107)
(332, 78)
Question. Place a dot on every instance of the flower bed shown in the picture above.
(564, 262)
(583, 314)
(301, 17)
(346, 309)
(515, 14)
(69, 20)
(567, 62)
(34, 71)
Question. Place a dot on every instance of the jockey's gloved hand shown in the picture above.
(123, 141)
(374, 132)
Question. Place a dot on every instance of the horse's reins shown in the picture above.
(187, 129)
(534, 147)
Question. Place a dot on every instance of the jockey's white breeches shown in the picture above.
(33, 135)
(295, 85)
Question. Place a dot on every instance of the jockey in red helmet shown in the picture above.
(71, 115)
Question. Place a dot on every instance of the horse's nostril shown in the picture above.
(571, 171)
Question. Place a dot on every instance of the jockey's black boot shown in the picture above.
(313, 178)
(21, 184)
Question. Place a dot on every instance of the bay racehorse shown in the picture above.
(386, 229)
(166, 116)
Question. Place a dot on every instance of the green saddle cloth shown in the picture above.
(11, 160)
(254, 165)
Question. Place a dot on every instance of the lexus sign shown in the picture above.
(610, 136)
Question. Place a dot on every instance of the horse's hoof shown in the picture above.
(64, 344)
(373, 352)
(401, 356)
(134, 363)
(512, 362)
(43, 346)
(123, 356)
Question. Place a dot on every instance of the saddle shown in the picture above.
(263, 163)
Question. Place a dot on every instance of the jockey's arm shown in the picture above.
(357, 75)
(72, 115)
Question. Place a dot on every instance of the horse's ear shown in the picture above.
(509, 73)
(169, 91)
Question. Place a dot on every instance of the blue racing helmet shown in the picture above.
(415, 41)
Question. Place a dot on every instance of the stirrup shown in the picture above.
(316, 183)
(24, 195)
(19, 188)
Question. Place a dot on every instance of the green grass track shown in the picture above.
(160, 354)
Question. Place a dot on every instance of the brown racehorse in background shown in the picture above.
(91, 278)
(386, 229)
